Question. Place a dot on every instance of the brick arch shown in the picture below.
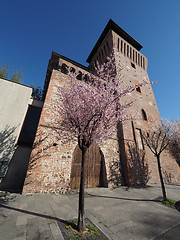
(95, 170)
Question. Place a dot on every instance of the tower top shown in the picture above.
(111, 25)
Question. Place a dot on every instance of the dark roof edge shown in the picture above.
(57, 55)
(111, 25)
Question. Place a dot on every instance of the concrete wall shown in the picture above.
(14, 179)
(14, 100)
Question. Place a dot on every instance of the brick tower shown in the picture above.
(55, 167)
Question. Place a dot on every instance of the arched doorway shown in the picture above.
(95, 170)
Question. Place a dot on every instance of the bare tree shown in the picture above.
(157, 141)
(172, 129)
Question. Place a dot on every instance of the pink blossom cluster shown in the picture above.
(90, 110)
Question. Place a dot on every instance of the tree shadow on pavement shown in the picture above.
(157, 224)
(35, 214)
(121, 198)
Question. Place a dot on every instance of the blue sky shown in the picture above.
(31, 30)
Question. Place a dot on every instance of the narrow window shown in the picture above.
(105, 49)
(100, 61)
(102, 53)
(79, 76)
(95, 63)
(133, 65)
(133, 54)
(130, 53)
(118, 44)
(144, 116)
(72, 70)
(128, 50)
(124, 48)
(86, 78)
(108, 46)
(136, 57)
(143, 63)
(121, 46)
(97, 60)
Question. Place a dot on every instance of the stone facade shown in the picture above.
(51, 161)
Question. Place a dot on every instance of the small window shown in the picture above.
(124, 48)
(130, 53)
(128, 50)
(108, 46)
(138, 89)
(100, 61)
(144, 116)
(118, 44)
(121, 46)
(86, 78)
(105, 49)
(133, 65)
(64, 68)
(143, 63)
(133, 54)
(102, 53)
(79, 76)
(136, 57)
(72, 70)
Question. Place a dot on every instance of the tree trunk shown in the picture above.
(81, 224)
(161, 177)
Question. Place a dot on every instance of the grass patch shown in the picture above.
(69, 231)
(169, 202)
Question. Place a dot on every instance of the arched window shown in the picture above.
(79, 76)
(144, 116)
(86, 78)
(72, 70)
(64, 68)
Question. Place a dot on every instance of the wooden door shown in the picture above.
(94, 168)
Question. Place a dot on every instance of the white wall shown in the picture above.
(14, 100)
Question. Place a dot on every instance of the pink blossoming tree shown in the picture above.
(89, 112)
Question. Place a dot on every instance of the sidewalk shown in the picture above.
(121, 213)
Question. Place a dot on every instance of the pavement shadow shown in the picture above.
(38, 215)
(177, 206)
(120, 198)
